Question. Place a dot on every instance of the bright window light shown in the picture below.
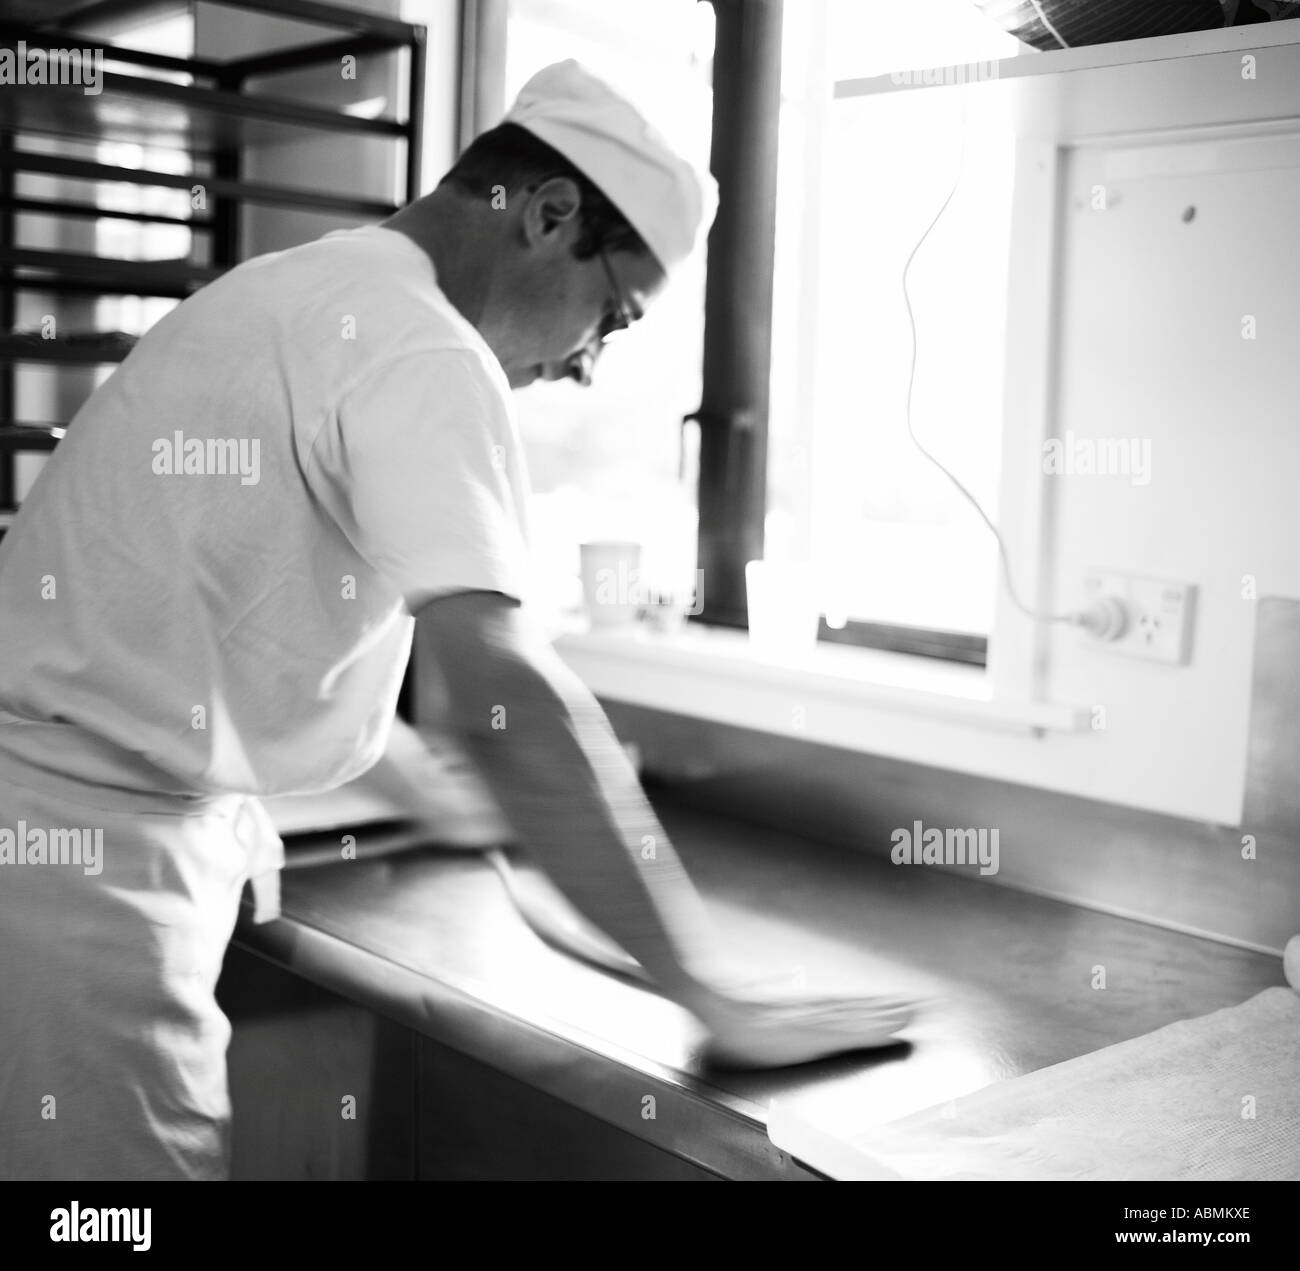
(892, 540)
(606, 461)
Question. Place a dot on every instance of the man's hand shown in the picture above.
(774, 1024)
(755, 1022)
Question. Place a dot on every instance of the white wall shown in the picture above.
(1152, 348)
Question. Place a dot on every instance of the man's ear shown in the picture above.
(551, 208)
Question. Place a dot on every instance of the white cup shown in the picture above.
(611, 582)
(783, 607)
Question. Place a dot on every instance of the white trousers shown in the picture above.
(112, 1045)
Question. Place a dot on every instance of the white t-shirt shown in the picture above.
(213, 578)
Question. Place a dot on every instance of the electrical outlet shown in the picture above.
(1159, 615)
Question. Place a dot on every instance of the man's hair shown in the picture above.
(511, 156)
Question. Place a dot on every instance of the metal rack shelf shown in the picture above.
(29, 436)
(175, 278)
(232, 189)
(179, 116)
(90, 347)
(211, 108)
(83, 15)
(222, 114)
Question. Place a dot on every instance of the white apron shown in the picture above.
(112, 1045)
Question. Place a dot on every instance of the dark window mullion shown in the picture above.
(733, 415)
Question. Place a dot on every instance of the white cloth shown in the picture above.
(112, 1045)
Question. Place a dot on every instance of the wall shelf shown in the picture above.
(1031, 64)
(1172, 84)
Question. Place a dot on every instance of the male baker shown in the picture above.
(209, 596)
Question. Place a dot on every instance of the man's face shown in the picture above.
(565, 307)
(623, 287)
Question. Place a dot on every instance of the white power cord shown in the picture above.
(1099, 619)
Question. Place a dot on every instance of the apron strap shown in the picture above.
(257, 835)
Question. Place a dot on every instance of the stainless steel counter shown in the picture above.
(431, 941)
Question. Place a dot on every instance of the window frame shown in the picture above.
(735, 409)
(735, 402)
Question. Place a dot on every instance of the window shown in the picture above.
(902, 560)
(608, 461)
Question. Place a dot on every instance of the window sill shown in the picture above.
(825, 695)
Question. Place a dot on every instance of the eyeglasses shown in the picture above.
(582, 363)
(624, 317)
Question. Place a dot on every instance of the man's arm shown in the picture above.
(557, 771)
(563, 781)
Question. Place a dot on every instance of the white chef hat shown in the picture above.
(668, 200)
